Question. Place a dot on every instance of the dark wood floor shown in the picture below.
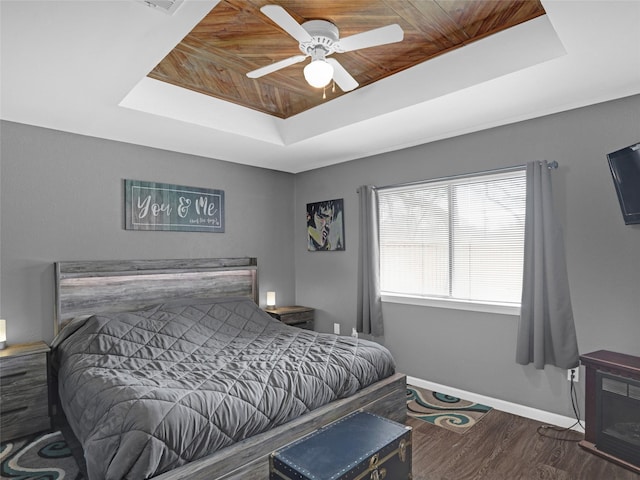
(505, 447)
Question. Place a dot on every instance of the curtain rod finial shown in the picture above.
(553, 164)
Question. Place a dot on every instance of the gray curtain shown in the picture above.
(369, 318)
(546, 333)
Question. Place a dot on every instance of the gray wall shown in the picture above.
(62, 199)
(475, 351)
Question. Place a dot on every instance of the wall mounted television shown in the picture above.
(625, 169)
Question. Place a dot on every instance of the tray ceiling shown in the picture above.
(235, 38)
(82, 67)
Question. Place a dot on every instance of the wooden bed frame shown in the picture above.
(87, 287)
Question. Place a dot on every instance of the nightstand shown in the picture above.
(24, 390)
(296, 316)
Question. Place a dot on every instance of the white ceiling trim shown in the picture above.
(167, 100)
(519, 47)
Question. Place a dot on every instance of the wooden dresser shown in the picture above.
(24, 390)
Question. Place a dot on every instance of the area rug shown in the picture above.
(43, 457)
(443, 410)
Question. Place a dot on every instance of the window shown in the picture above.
(457, 239)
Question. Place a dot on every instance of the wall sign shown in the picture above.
(163, 206)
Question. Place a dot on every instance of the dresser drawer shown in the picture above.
(295, 318)
(19, 423)
(20, 399)
(295, 315)
(24, 371)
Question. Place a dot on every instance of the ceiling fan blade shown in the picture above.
(378, 36)
(275, 66)
(282, 18)
(343, 78)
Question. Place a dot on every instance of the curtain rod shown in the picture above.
(551, 165)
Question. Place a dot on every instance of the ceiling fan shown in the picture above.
(320, 38)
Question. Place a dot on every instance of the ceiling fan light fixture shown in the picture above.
(318, 39)
(318, 73)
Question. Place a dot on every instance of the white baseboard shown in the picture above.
(509, 407)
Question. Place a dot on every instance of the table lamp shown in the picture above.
(3, 334)
(271, 299)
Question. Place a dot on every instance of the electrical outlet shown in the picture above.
(336, 328)
(575, 372)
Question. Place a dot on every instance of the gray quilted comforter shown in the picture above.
(149, 390)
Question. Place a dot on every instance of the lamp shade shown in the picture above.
(271, 299)
(318, 73)
(3, 334)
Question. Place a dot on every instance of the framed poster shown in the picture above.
(164, 206)
(325, 225)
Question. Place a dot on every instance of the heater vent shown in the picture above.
(166, 6)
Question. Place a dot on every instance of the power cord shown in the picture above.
(576, 411)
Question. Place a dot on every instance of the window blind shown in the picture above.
(460, 238)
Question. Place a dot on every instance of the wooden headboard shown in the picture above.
(87, 287)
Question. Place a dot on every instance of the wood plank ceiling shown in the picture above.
(235, 38)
